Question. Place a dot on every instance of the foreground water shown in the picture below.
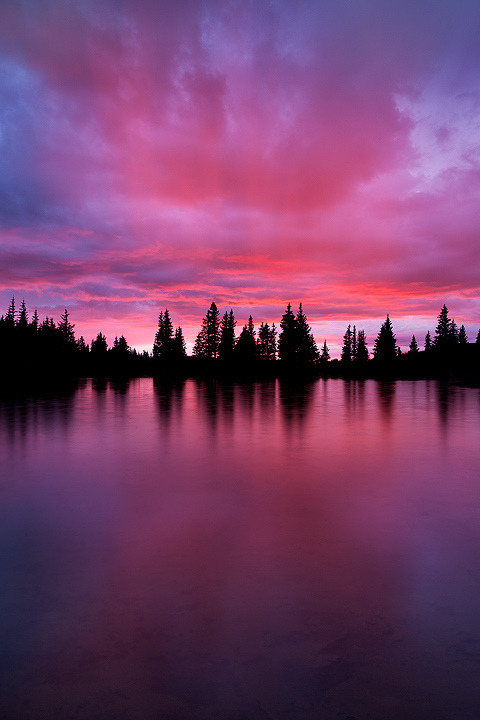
(253, 551)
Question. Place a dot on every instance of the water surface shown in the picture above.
(252, 551)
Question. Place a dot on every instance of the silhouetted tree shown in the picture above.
(428, 342)
(82, 346)
(162, 344)
(11, 314)
(35, 322)
(227, 336)
(413, 348)
(246, 347)
(346, 356)
(287, 340)
(362, 350)
(208, 339)
(446, 331)
(120, 346)
(325, 354)
(462, 336)
(307, 351)
(22, 321)
(267, 341)
(354, 343)
(179, 348)
(385, 349)
(99, 346)
(65, 328)
(478, 338)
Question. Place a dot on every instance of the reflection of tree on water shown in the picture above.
(354, 393)
(386, 396)
(295, 401)
(169, 396)
(48, 408)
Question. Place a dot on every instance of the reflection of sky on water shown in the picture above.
(207, 550)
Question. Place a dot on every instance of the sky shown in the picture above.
(166, 154)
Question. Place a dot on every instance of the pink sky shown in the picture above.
(159, 154)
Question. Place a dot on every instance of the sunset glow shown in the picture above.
(160, 154)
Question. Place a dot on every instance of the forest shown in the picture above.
(33, 350)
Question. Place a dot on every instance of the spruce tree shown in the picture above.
(208, 339)
(385, 349)
(346, 356)
(179, 348)
(307, 351)
(227, 335)
(362, 350)
(287, 340)
(462, 336)
(65, 328)
(99, 346)
(22, 321)
(325, 354)
(162, 344)
(413, 347)
(428, 342)
(446, 334)
(266, 342)
(11, 315)
(354, 343)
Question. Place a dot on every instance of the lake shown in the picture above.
(255, 551)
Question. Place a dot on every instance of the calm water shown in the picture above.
(254, 552)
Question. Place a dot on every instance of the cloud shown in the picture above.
(155, 152)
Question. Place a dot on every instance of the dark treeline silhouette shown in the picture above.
(34, 349)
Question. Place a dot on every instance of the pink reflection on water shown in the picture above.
(208, 550)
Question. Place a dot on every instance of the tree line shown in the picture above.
(28, 345)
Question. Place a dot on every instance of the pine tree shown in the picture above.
(35, 322)
(325, 354)
(362, 350)
(99, 346)
(65, 328)
(266, 342)
(208, 339)
(462, 336)
(428, 342)
(446, 334)
(287, 341)
(385, 349)
(227, 335)
(413, 348)
(162, 344)
(179, 348)
(478, 338)
(307, 351)
(354, 343)
(11, 315)
(22, 321)
(346, 356)
(246, 347)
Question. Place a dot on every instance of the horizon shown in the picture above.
(166, 156)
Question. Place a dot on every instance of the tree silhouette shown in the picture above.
(462, 336)
(227, 336)
(22, 321)
(246, 346)
(99, 346)
(385, 349)
(428, 342)
(10, 316)
(287, 341)
(346, 355)
(362, 350)
(413, 347)
(162, 344)
(65, 328)
(446, 331)
(478, 338)
(325, 354)
(208, 339)
(267, 341)
(179, 348)
(307, 351)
